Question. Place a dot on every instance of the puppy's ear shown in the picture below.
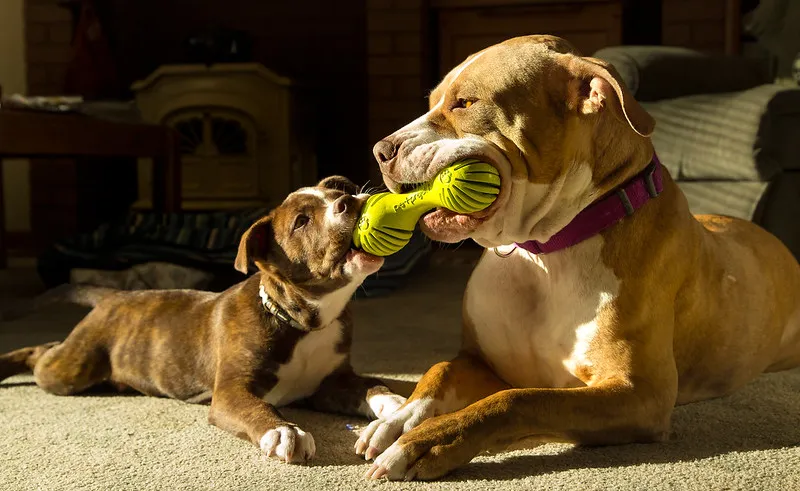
(597, 85)
(340, 183)
(255, 244)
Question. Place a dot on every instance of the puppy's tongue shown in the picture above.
(364, 261)
(448, 226)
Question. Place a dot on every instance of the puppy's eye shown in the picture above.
(462, 103)
(300, 222)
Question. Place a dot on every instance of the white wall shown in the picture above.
(12, 78)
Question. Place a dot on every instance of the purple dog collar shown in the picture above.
(602, 214)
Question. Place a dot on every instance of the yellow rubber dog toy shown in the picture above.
(387, 220)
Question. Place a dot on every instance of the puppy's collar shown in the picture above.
(622, 202)
(276, 310)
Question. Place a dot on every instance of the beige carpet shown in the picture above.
(747, 441)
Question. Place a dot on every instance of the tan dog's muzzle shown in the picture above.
(418, 151)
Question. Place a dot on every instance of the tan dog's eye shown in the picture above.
(463, 104)
(300, 222)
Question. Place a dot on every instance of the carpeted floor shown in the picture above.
(746, 441)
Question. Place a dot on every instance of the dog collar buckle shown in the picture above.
(275, 309)
(649, 183)
(626, 201)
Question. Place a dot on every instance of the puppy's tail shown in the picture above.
(84, 295)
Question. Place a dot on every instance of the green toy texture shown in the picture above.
(388, 220)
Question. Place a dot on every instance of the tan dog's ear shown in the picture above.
(600, 86)
(254, 244)
(340, 183)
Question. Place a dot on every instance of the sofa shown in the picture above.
(729, 137)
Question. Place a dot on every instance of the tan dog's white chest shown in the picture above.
(535, 317)
(314, 357)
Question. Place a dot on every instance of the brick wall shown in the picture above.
(403, 58)
(696, 24)
(320, 45)
(398, 80)
(49, 50)
(397, 35)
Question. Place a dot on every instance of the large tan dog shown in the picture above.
(593, 343)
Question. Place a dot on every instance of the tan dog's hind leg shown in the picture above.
(789, 353)
(446, 387)
(22, 360)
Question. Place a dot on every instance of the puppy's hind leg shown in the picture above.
(345, 392)
(78, 363)
(22, 360)
(83, 364)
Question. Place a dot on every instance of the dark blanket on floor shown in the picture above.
(207, 241)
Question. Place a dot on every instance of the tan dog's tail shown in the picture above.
(85, 295)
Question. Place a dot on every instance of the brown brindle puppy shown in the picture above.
(281, 336)
(571, 332)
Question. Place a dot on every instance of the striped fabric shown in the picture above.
(186, 238)
(654, 73)
(205, 241)
(729, 137)
(739, 199)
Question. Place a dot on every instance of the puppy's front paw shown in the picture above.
(288, 443)
(383, 432)
(384, 405)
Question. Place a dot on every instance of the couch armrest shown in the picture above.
(661, 72)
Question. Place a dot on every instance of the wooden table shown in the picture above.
(27, 134)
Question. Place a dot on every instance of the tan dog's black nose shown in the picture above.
(384, 151)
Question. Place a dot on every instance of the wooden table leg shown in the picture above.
(173, 172)
(159, 184)
(3, 235)
(167, 179)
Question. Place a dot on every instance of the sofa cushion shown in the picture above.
(749, 135)
(736, 199)
(663, 72)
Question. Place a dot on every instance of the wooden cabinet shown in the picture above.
(238, 137)
(467, 26)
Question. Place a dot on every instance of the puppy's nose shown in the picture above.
(340, 205)
(384, 151)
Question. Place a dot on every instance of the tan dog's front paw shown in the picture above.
(427, 452)
(384, 405)
(288, 443)
(383, 432)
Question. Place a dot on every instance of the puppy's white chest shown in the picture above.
(314, 357)
(535, 317)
